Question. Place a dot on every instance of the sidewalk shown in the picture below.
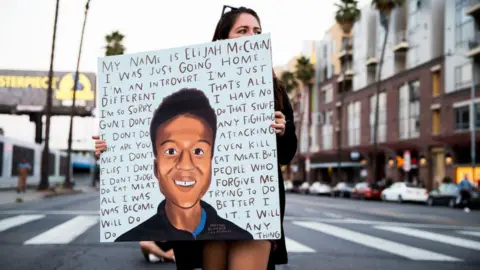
(10, 195)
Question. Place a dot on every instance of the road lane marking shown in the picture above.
(409, 252)
(65, 232)
(51, 212)
(470, 233)
(310, 210)
(377, 222)
(376, 212)
(332, 215)
(455, 241)
(11, 222)
(295, 247)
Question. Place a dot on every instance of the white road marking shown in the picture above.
(51, 212)
(65, 232)
(386, 223)
(11, 222)
(295, 247)
(310, 210)
(409, 252)
(332, 215)
(471, 233)
(455, 241)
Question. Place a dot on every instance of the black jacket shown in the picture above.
(158, 228)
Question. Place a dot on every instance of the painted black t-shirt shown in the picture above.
(211, 227)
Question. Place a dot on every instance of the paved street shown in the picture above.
(323, 233)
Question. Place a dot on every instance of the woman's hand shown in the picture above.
(100, 146)
(279, 124)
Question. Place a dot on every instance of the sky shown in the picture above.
(26, 28)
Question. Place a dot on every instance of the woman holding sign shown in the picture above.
(245, 254)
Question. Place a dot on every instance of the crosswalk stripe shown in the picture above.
(409, 252)
(11, 222)
(65, 232)
(455, 241)
(294, 246)
(471, 233)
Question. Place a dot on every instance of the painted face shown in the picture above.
(183, 163)
(246, 25)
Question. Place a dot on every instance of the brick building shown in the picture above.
(424, 99)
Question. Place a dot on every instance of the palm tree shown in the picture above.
(346, 16)
(305, 72)
(68, 182)
(114, 44)
(385, 8)
(289, 80)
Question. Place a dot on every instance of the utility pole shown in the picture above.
(48, 111)
(473, 123)
(68, 181)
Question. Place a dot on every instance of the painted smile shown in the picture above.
(185, 183)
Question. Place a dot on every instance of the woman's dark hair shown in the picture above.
(222, 30)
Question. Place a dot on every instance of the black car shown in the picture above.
(446, 194)
(450, 194)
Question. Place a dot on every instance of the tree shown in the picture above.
(68, 181)
(114, 44)
(305, 72)
(385, 8)
(44, 183)
(289, 80)
(346, 16)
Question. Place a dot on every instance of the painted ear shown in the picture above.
(155, 168)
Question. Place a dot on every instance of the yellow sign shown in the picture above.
(461, 171)
(66, 85)
(64, 91)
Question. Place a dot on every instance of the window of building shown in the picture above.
(436, 121)
(462, 117)
(353, 114)
(409, 110)
(463, 75)
(327, 131)
(436, 83)
(382, 117)
(327, 95)
(464, 24)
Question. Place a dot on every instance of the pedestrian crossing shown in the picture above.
(303, 236)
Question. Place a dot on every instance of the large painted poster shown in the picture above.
(191, 154)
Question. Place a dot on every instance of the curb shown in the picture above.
(55, 193)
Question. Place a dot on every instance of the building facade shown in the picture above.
(424, 98)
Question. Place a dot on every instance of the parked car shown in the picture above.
(445, 194)
(288, 186)
(368, 191)
(319, 188)
(468, 198)
(342, 189)
(402, 191)
(304, 187)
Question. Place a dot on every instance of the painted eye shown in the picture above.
(170, 152)
(198, 152)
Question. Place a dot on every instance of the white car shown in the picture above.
(304, 187)
(320, 189)
(401, 192)
(288, 186)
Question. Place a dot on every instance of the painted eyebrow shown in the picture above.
(172, 141)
